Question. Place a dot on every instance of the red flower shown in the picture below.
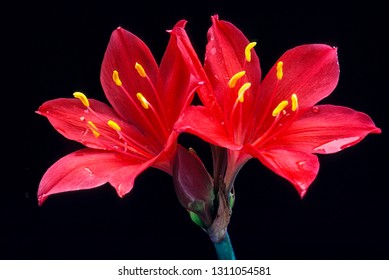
(277, 120)
(137, 132)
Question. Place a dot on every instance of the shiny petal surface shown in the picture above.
(70, 118)
(199, 121)
(326, 129)
(310, 71)
(180, 74)
(124, 50)
(86, 169)
(297, 167)
(225, 56)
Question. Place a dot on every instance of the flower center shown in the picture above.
(155, 122)
(239, 88)
(283, 113)
(103, 130)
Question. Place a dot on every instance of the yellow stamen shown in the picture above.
(143, 100)
(279, 70)
(94, 129)
(114, 125)
(247, 51)
(82, 97)
(242, 91)
(140, 69)
(294, 102)
(235, 78)
(279, 108)
(116, 79)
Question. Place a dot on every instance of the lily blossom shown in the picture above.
(137, 131)
(277, 119)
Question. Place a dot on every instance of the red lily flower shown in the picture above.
(275, 120)
(137, 132)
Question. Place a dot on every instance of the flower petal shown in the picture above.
(86, 169)
(310, 71)
(297, 167)
(198, 120)
(124, 50)
(70, 118)
(225, 56)
(326, 129)
(180, 74)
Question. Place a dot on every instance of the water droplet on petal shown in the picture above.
(88, 170)
(315, 109)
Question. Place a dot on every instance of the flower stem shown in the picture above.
(224, 249)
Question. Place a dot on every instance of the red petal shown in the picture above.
(123, 52)
(225, 56)
(70, 117)
(297, 167)
(86, 169)
(326, 129)
(200, 121)
(180, 73)
(310, 71)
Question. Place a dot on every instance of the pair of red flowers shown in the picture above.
(275, 120)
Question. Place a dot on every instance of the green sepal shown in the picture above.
(231, 200)
(196, 219)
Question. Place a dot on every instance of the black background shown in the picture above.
(51, 50)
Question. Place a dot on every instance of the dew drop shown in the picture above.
(89, 171)
(315, 109)
(84, 132)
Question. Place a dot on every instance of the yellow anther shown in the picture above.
(114, 125)
(294, 102)
(242, 91)
(116, 79)
(140, 69)
(280, 73)
(279, 108)
(143, 100)
(82, 97)
(235, 78)
(247, 50)
(94, 129)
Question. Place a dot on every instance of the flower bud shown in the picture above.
(193, 186)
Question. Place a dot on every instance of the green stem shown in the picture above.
(224, 249)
